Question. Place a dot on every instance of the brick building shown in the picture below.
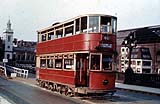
(147, 37)
(141, 61)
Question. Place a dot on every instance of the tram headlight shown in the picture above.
(105, 82)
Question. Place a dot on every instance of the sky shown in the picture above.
(28, 16)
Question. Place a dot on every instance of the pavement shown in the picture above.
(137, 88)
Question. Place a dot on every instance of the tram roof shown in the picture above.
(56, 24)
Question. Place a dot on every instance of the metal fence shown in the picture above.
(10, 70)
(150, 80)
(20, 72)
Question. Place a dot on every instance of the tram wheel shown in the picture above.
(66, 92)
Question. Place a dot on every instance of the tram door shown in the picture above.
(81, 70)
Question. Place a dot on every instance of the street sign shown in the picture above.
(5, 60)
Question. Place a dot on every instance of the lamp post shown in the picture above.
(129, 42)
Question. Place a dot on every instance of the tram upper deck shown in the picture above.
(81, 33)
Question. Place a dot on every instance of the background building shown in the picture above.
(141, 61)
(8, 42)
(24, 53)
(1, 49)
(147, 37)
(18, 52)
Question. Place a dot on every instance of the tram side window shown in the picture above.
(43, 63)
(43, 37)
(51, 36)
(69, 31)
(95, 62)
(114, 25)
(58, 63)
(84, 24)
(59, 33)
(93, 24)
(68, 63)
(106, 62)
(77, 26)
(38, 38)
(50, 63)
(105, 24)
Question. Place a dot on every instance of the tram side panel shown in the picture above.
(81, 42)
(101, 80)
(57, 76)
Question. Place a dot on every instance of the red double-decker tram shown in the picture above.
(77, 55)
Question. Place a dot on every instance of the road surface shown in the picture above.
(22, 91)
(24, 94)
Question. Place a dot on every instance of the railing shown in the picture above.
(150, 80)
(19, 72)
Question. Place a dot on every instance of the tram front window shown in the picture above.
(106, 62)
(93, 24)
(95, 62)
(105, 24)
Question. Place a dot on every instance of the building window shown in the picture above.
(126, 62)
(133, 63)
(9, 38)
(138, 62)
(145, 50)
(68, 63)
(135, 50)
(58, 63)
(138, 70)
(8, 56)
(122, 49)
(28, 57)
(134, 56)
(146, 63)
(127, 50)
(8, 47)
(146, 56)
(18, 57)
(122, 64)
